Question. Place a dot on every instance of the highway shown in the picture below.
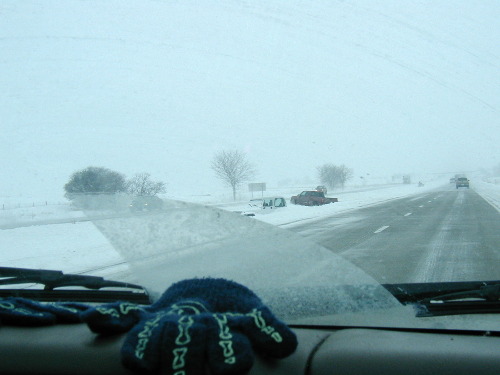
(443, 235)
(439, 235)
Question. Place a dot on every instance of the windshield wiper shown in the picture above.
(452, 298)
(486, 299)
(57, 279)
(51, 280)
(486, 292)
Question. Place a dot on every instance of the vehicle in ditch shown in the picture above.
(312, 198)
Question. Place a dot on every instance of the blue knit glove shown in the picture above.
(195, 323)
(25, 312)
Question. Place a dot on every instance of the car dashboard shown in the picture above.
(74, 349)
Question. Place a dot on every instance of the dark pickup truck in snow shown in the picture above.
(312, 198)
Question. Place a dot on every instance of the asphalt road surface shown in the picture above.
(444, 235)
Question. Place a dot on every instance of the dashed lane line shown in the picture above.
(381, 229)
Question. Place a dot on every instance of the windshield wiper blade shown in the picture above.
(439, 308)
(57, 279)
(449, 298)
(485, 292)
(416, 292)
(88, 288)
(484, 300)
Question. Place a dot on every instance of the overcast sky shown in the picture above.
(159, 86)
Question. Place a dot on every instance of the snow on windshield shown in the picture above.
(156, 249)
(187, 240)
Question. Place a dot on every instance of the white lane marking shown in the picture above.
(408, 214)
(417, 198)
(381, 229)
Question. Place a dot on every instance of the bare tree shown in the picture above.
(334, 175)
(232, 168)
(141, 184)
(345, 174)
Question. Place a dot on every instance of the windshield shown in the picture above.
(131, 148)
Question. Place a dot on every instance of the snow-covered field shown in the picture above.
(78, 247)
(490, 190)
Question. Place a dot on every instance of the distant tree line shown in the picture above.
(233, 168)
(230, 166)
(99, 180)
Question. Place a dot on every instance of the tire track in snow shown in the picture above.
(448, 251)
